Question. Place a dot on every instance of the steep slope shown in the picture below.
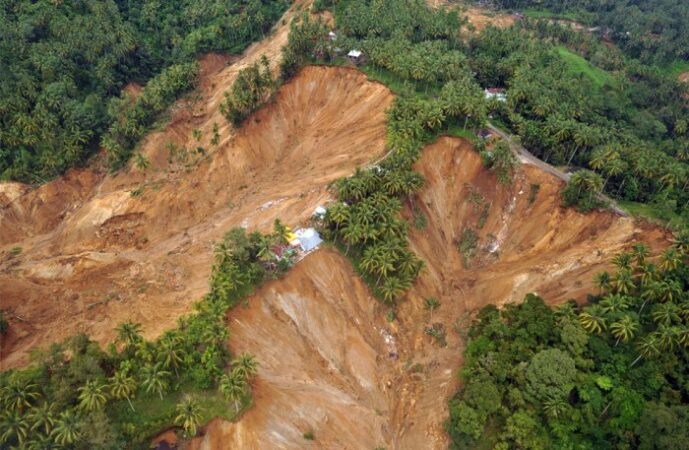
(331, 364)
(94, 254)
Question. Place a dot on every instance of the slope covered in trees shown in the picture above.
(611, 373)
(78, 396)
(62, 62)
(575, 101)
(652, 30)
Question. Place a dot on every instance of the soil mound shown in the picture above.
(93, 254)
(332, 364)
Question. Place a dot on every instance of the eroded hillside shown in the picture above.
(332, 364)
(94, 255)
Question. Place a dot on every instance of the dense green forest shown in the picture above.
(64, 63)
(572, 99)
(576, 101)
(610, 374)
(650, 30)
(76, 395)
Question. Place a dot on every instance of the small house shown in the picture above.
(308, 239)
(356, 56)
(332, 36)
(498, 94)
(485, 134)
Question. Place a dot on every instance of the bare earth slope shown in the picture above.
(330, 363)
(94, 255)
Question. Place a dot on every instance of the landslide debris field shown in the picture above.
(98, 249)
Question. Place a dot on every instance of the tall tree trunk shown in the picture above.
(635, 361)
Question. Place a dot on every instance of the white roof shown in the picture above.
(319, 211)
(308, 238)
(354, 53)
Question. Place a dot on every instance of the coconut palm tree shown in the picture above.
(666, 337)
(624, 329)
(352, 233)
(18, 393)
(233, 387)
(188, 415)
(338, 214)
(647, 347)
(41, 441)
(603, 281)
(141, 162)
(640, 252)
(670, 259)
(170, 352)
(392, 288)
(614, 303)
(648, 273)
(245, 365)
(622, 260)
(14, 427)
(145, 351)
(681, 243)
(592, 320)
(683, 336)
(92, 396)
(666, 314)
(623, 282)
(42, 417)
(122, 385)
(154, 379)
(669, 290)
(129, 333)
(66, 429)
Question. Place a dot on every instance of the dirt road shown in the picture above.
(528, 158)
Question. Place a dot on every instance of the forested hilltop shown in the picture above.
(64, 63)
(652, 30)
(611, 374)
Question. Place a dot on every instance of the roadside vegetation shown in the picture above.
(77, 395)
(610, 373)
(654, 31)
(575, 101)
(64, 64)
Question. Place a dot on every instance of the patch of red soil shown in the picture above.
(95, 255)
(329, 361)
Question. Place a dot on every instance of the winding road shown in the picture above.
(528, 158)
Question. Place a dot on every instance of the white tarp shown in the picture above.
(309, 238)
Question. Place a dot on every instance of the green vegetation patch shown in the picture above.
(611, 373)
(579, 65)
(78, 396)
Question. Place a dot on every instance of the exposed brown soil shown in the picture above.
(684, 77)
(480, 18)
(93, 255)
(331, 363)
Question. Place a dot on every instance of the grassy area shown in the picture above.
(457, 130)
(152, 414)
(667, 219)
(676, 68)
(544, 14)
(579, 65)
(399, 85)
